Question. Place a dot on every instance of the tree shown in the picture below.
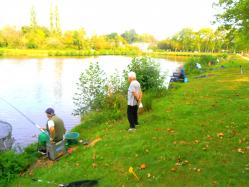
(51, 17)
(130, 36)
(206, 39)
(91, 90)
(34, 38)
(57, 20)
(148, 38)
(148, 73)
(100, 42)
(115, 40)
(11, 37)
(33, 21)
(235, 18)
(79, 38)
(185, 37)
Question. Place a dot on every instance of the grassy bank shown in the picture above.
(195, 135)
(184, 54)
(129, 51)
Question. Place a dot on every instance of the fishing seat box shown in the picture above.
(56, 150)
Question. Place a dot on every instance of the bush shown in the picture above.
(190, 66)
(12, 164)
(91, 90)
(148, 73)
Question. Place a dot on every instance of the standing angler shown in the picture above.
(134, 99)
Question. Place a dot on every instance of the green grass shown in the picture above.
(177, 139)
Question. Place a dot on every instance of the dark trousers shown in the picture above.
(132, 115)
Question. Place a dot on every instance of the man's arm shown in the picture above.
(51, 129)
(138, 95)
(52, 132)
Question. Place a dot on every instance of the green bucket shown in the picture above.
(43, 138)
(72, 138)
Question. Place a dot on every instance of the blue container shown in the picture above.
(185, 80)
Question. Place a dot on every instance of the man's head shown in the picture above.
(50, 112)
(131, 76)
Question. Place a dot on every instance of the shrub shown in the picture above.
(148, 73)
(12, 164)
(91, 90)
(190, 66)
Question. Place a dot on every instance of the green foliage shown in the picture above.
(178, 141)
(234, 19)
(12, 164)
(130, 36)
(205, 40)
(206, 61)
(148, 73)
(147, 101)
(91, 90)
(117, 103)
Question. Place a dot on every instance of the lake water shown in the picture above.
(32, 85)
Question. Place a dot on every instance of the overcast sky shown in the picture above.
(162, 18)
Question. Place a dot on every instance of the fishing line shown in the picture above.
(20, 112)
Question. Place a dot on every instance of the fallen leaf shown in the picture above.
(242, 140)
(220, 135)
(241, 150)
(205, 148)
(185, 162)
(94, 165)
(170, 130)
(143, 166)
(197, 141)
(183, 142)
(209, 137)
(178, 164)
(92, 143)
(173, 169)
(215, 182)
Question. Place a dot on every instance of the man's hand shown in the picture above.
(42, 129)
(52, 141)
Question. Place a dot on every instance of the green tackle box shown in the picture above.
(56, 150)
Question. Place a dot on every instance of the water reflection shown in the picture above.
(32, 85)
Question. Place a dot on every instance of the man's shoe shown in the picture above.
(131, 129)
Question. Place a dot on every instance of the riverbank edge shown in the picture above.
(42, 53)
(83, 124)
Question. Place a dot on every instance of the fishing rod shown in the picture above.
(20, 112)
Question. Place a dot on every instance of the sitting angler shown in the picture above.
(55, 126)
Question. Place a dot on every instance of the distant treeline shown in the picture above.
(231, 36)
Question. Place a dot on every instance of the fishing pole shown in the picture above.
(20, 112)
